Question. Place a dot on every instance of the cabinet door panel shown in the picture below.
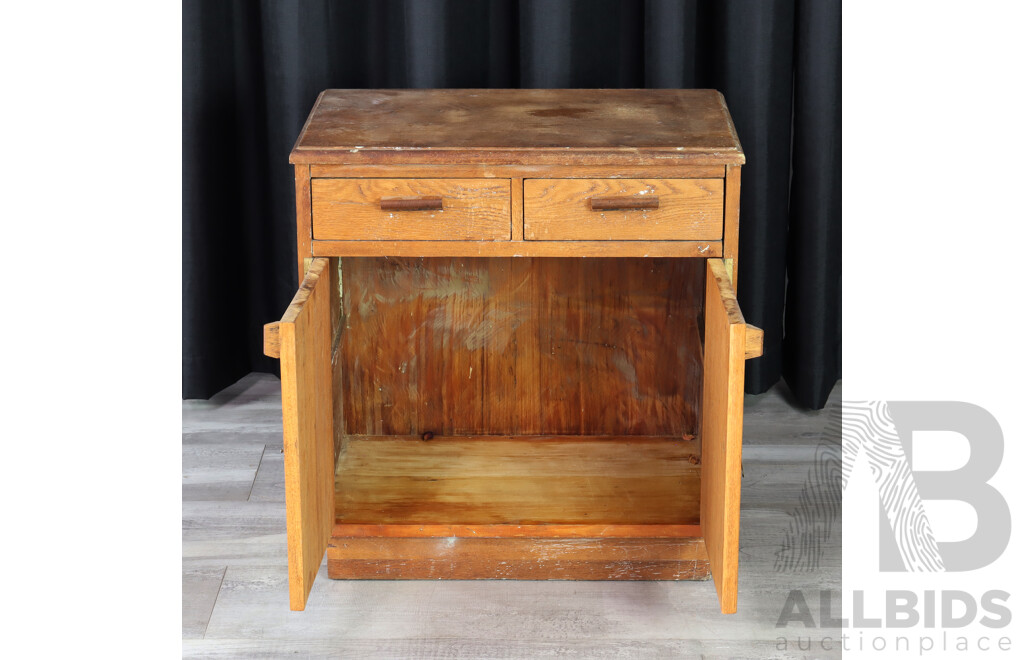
(302, 340)
(725, 349)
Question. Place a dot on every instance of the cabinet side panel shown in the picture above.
(731, 229)
(307, 405)
(303, 218)
(721, 432)
(337, 327)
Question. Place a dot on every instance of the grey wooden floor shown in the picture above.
(234, 573)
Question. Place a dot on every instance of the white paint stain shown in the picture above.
(492, 329)
(627, 369)
(415, 283)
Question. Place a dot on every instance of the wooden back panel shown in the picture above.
(506, 346)
(722, 431)
(304, 333)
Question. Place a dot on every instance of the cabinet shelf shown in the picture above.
(518, 480)
(518, 507)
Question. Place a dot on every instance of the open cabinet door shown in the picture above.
(302, 340)
(728, 341)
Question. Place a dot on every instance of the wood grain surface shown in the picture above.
(337, 328)
(563, 210)
(753, 342)
(351, 209)
(303, 218)
(517, 559)
(590, 249)
(485, 171)
(652, 126)
(507, 530)
(304, 334)
(521, 346)
(731, 237)
(722, 429)
(518, 480)
(272, 340)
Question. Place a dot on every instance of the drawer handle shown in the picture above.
(633, 203)
(411, 204)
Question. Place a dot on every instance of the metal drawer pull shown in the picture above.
(411, 204)
(634, 203)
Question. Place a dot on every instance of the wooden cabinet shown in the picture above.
(516, 351)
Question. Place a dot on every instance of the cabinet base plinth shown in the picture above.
(459, 558)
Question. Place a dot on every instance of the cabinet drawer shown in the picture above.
(412, 209)
(623, 209)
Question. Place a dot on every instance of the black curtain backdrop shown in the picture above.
(252, 71)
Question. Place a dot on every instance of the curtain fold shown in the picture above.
(813, 328)
(251, 72)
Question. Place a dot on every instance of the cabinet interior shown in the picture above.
(511, 390)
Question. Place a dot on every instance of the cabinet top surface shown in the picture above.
(392, 126)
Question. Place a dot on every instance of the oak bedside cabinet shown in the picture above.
(516, 351)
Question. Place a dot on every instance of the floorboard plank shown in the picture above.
(269, 483)
(199, 588)
(223, 471)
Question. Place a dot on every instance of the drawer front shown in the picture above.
(623, 209)
(412, 209)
